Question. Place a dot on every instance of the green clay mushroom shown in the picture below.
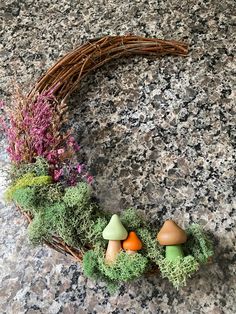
(172, 236)
(114, 232)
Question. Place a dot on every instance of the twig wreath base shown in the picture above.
(53, 188)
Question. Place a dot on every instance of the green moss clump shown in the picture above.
(125, 268)
(77, 195)
(130, 219)
(37, 198)
(50, 193)
(76, 225)
(90, 265)
(46, 222)
(27, 180)
(53, 216)
(91, 269)
(54, 193)
(179, 270)
(57, 219)
(25, 198)
(39, 168)
(38, 229)
(95, 230)
(152, 249)
(198, 244)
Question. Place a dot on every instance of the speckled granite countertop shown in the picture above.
(157, 133)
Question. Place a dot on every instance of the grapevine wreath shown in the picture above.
(54, 190)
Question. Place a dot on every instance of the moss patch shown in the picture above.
(179, 270)
(39, 168)
(199, 244)
(29, 179)
(130, 219)
(77, 195)
(126, 268)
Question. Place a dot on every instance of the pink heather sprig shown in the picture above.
(33, 129)
(28, 127)
(71, 142)
(37, 122)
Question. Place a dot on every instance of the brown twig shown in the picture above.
(68, 72)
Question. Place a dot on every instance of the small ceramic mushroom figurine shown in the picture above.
(114, 232)
(132, 244)
(172, 236)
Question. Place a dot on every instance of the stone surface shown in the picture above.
(158, 135)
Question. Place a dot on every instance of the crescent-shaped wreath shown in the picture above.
(54, 190)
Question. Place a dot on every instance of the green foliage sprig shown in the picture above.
(29, 179)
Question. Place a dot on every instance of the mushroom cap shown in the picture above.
(132, 243)
(115, 230)
(171, 234)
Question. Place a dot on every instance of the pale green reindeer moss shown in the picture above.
(52, 193)
(25, 198)
(131, 219)
(152, 249)
(94, 231)
(76, 225)
(198, 245)
(38, 229)
(46, 222)
(126, 268)
(90, 265)
(28, 179)
(39, 168)
(179, 270)
(37, 198)
(77, 195)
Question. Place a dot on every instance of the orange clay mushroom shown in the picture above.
(132, 243)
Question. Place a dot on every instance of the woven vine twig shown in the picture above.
(67, 73)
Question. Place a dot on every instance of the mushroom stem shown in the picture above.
(113, 248)
(130, 252)
(174, 251)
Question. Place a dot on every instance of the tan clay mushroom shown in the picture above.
(172, 236)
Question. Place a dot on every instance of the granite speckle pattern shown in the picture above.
(157, 133)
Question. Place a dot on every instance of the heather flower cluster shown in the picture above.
(29, 127)
(33, 127)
